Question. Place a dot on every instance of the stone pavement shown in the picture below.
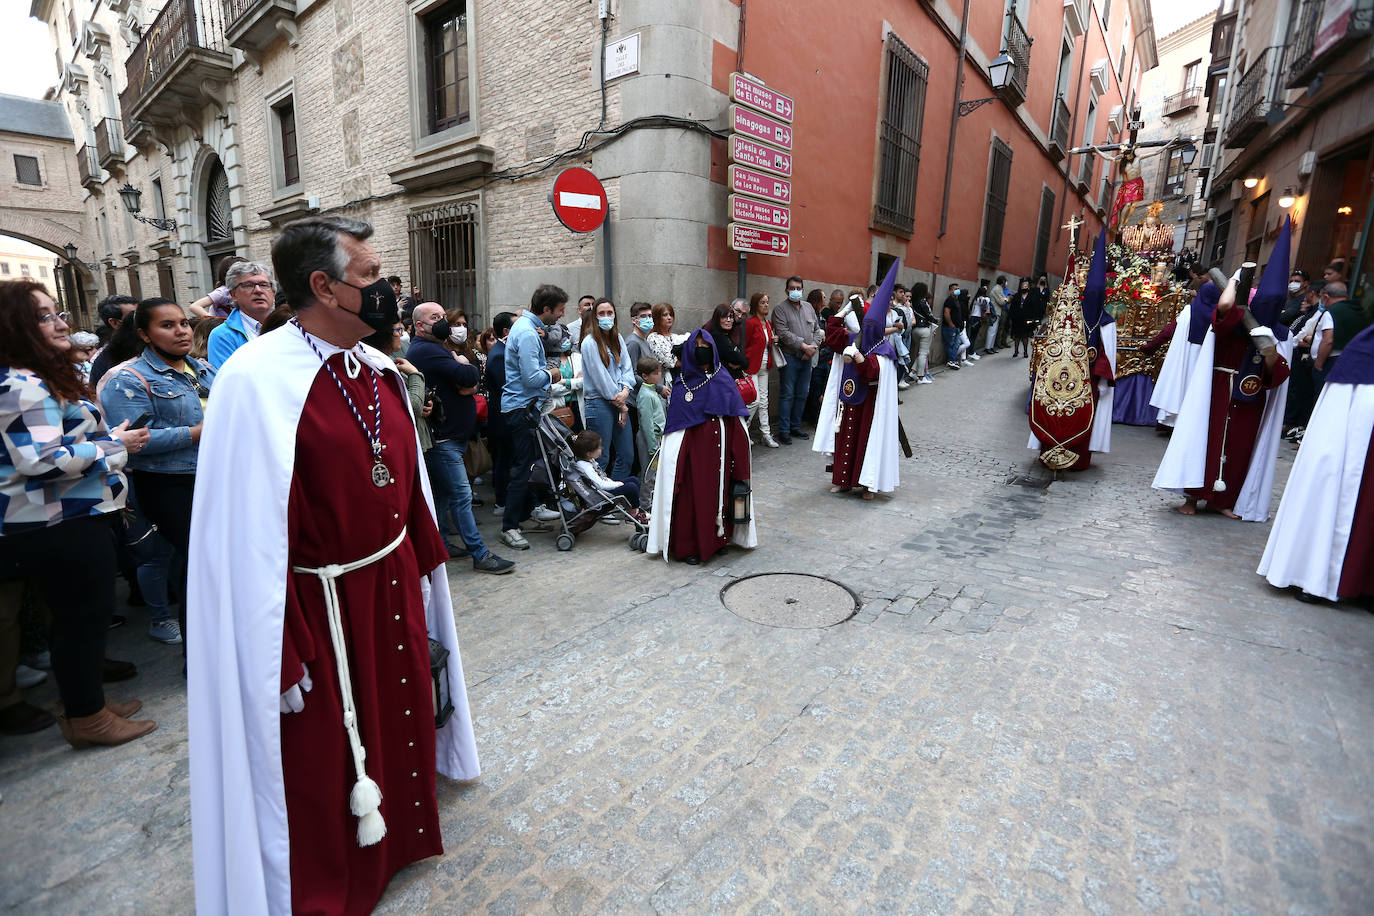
(1068, 699)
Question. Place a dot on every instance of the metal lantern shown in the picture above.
(438, 676)
(742, 500)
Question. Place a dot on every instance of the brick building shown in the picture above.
(237, 115)
(1292, 113)
(1173, 105)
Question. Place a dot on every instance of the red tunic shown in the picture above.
(1229, 351)
(697, 487)
(856, 420)
(337, 515)
(1357, 570)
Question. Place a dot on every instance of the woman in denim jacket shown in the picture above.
(171, 387)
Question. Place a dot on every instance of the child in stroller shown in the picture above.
(582, 493)
(586, 448)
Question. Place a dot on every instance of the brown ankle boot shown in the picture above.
(103, 728)
(124, 709)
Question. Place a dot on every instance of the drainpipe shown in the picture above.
(954, 120)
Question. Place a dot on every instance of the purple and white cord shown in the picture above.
(374, 437)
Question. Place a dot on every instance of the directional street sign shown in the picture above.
(750, 123)
(579, 200)
(757, 241)
(769, 187)
(760, 156)
(747, 92)
(771, 216)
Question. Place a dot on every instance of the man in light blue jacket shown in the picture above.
(250, 286)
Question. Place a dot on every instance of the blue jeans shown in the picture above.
(451, 474)
(629, 488)
(795, 382)
(951, 338)
(601, 418)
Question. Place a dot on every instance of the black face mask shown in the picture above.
(440, 329)
(378, 307)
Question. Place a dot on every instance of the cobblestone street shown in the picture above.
(1062, 699)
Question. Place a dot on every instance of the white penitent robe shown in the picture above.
(1312, 528)
(1184, 465)
(880, 472)
(236, 604)
(1172, 383)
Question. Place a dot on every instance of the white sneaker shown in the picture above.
(925, 380)
(903, 385)
(166, 631)
(26, 677)
(609, 520)
(966, 362)
(512, 537)
(498, 510)
(770, 442)
(544, 514)
(974, 356)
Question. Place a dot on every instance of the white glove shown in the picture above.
(852, 354)
(845, 309)
(294, 698)
(1262, 331)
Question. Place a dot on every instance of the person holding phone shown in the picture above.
(167, 389)
(62, 485)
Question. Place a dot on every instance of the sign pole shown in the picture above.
(739, 275)
(606, 245)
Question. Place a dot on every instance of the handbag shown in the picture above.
(563, 415)
(747, 390)
(477, 458)
(481, 401)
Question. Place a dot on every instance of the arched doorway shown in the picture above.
(218, 217)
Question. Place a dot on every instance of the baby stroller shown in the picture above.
(580, 502)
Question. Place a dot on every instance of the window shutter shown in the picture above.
(995, 208)
(900, 138)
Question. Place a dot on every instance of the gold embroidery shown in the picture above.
(1062, 380)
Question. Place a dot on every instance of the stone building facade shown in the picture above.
(40, 200)
(444, 123)
(1173, 104)
(1292, 113)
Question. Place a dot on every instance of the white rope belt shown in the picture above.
(366, 797)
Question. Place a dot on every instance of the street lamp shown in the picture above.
(71, 251)
(999, 74)
(1250, 183)
(132, 197)
(1288, 199)
(1188, 154)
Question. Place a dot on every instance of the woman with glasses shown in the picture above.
(61, 487)
(170, 388)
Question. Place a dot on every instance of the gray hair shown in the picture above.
(311, 244)
(240, 269)
(84, 339)
(1335, 289)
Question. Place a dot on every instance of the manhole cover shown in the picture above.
(793, 600)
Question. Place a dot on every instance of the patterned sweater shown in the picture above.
(59, 460)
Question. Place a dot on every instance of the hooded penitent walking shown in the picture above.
(1226, 438)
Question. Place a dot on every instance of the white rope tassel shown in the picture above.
(366, 798)
(720, 486)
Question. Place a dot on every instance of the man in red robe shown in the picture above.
(317, 591)
(1225, 440)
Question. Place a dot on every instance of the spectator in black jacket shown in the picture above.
(498, 439)
(454, 380)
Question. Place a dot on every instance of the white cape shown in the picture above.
(1172, 383)
(1100, 439)
(236, 604)
(1312, 528)
(1185, 460)
(661, 518)
(880, 471)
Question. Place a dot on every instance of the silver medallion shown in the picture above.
(687, 397)
(380, 475)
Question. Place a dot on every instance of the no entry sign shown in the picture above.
(757, 241)
(579, 200)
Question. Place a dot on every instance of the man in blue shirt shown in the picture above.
(250, 286)
(454, 381)
(527, 385)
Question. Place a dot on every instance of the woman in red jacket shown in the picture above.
(762, 349)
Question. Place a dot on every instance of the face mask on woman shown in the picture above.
(605, 324)
(459, 335)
